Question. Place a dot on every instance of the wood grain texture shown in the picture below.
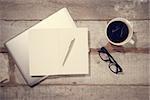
(96, 40)
(18, 15)
(4, 68)
(0, 34)
(79, 9)
(135, 72)
(96, 31)
(49, 92)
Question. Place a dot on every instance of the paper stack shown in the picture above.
(42, 49)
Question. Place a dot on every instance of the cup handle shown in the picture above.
(132, 41)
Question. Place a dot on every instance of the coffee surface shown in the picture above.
(117, 31)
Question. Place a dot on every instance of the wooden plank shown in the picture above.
(71, 1)
(135, 71)
(80, 10)
(96, 31)
(143, 29)
(3, 49)
(75, 93)
(149, 7)
(0, 34)
(4, 68)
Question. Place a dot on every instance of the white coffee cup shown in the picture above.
(130, 33)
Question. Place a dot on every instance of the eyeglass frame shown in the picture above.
(111, 60)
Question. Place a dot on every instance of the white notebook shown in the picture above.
(48, 47)
(19, 48)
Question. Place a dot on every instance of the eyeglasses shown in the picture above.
(105, 56)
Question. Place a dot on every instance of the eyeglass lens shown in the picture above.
(113, 65)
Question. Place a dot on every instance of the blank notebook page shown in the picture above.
(47, 48)
(78, 59)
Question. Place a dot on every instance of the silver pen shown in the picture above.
(69, 50)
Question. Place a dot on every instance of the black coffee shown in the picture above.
(117, 31)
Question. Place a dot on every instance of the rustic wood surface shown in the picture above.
(67, 92)
(79, 9)
(133, 84)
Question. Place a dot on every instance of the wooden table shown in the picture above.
(18, 15)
